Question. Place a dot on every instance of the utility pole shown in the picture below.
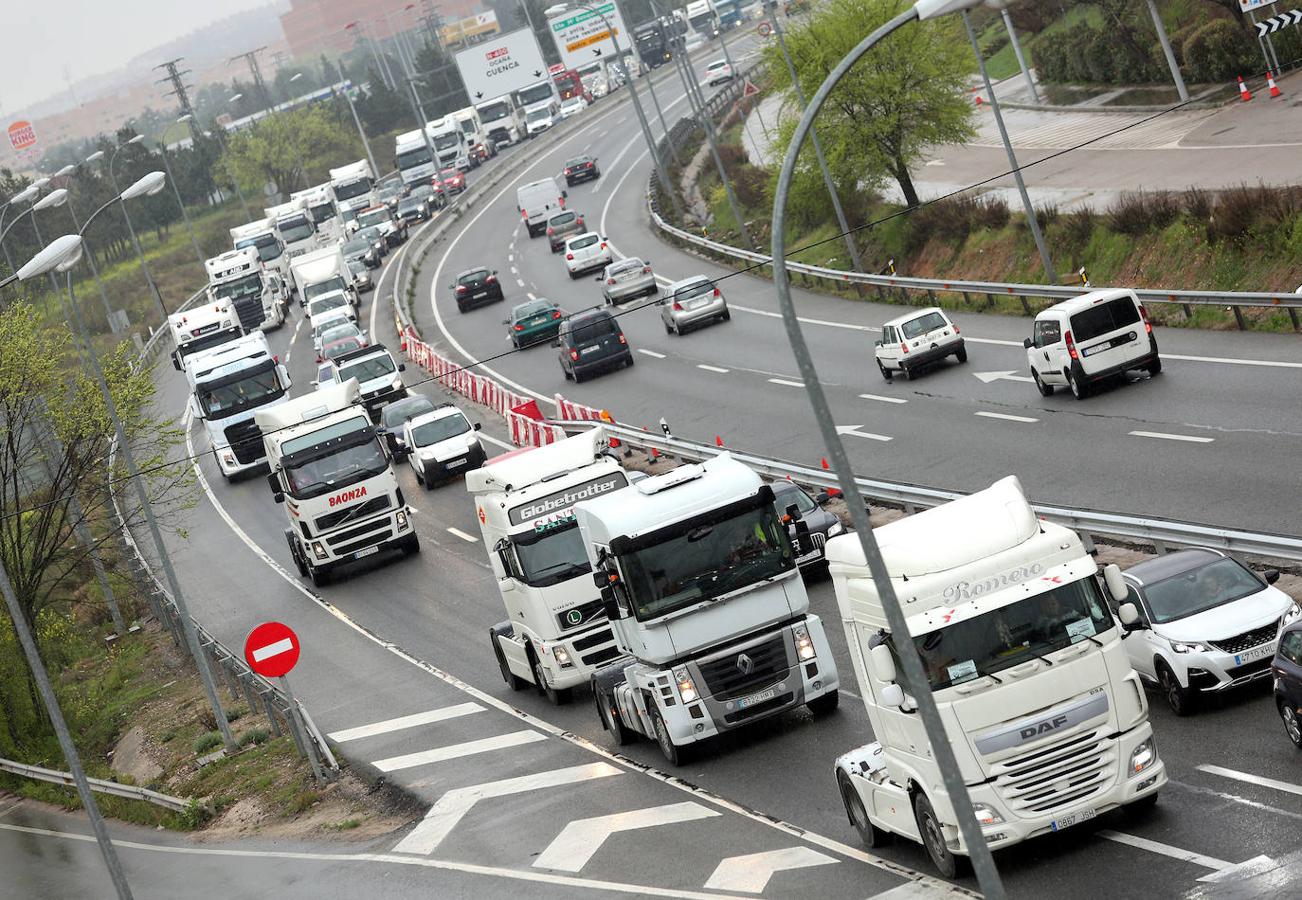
(176, 78)
(255, 70)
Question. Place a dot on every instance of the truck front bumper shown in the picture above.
(358, 540)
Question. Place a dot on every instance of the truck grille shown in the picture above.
(377, 538)
(1065, 772)
(597, 657)
(730, 675)
(579, 616)
(370, 507)
(1248, 639)
(250, 312)
(352, 534)
(246, 442)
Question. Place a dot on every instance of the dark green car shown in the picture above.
(534, 322)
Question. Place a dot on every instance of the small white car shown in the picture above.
(917, 339)
(441, 444)
(718, 72)
(629, 277)
(585, 252)
(540, 118)
(1083, 341)
(1205, 623)
(573, 106)
(692, 303)
(318, 306)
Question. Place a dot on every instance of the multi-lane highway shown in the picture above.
(397, 668)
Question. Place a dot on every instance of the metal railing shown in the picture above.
(1162, 534)
(99, 785)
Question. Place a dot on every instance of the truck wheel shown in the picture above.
(299, 562)
(674, 754)
(610, 718)
(933, 838)
(870, 834)
(825, 704)
(513, 681)
(556, 697)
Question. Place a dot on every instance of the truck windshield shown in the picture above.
(334, 457)
(1013, 634)
(368, 369)
(418, 156)
(551, 556)
(269, 247)
(248, 286)
(491, 112)
(350, 189)
(444, 141)
(295, 229)
(330, 285)
(253, 388)
(535, 93)
(209, 341)
(706, 560)
(323, 212)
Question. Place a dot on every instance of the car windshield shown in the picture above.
(706, 560)
(269, 247)
(1013, 634)
(576, 100)
(436, 430)
(552, 556)
(295, 230)
(450, 174)
(371, 235)
(446, 141)
(368, 369)
(537, 115)
(417, 156)
(492, 112)
(576, 162)
(580, 242)
(535, 93)
(720, 64)
(358, 268)
(593, 329)
(253, 389)
(793, 496)
(335, 348)
(564, 218)
(328, 321)
(339, 332)
(1199, 590)
(529, 310)
(420, 191)
(922, 324)
(472, 278)
(248, 286)
(330, 285)
(409, 204)
(695, 289)
(400, 411)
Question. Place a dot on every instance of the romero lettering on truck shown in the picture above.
(348, 496)
(966, 590)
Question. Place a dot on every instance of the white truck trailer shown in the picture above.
(202, 328)
(502, 120)
(323, 272)
(556, 635)
(321, 207)
(353, 186)
(228, 384)
(261, 235)
(293, 224)
(412, 156)
(239, 278)
(1047, 719)
(334, 476)
(699, 580)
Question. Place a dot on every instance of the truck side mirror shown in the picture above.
(176, 360)
(883, 665)
(274, 483)
(892, 695)
(1128, 615)
(402, 367)
(195, 409)
(1028, 343)
(609, 604)
(1116, 584)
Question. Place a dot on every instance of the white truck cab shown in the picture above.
(353, 187)
(325, 216)
(378, 375)
(202, 328)
(1046, 717)
(261, 235)
(699, 579)
(478, 143)
(335, 478)
(413, 159)
(556, 635)
(293, 224)
(502, 121)
(450, 144)
(237, 277)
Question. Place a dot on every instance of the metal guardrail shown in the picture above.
(1161, 533)
(99, 785)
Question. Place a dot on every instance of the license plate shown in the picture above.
(1261, 652)
(367, 552)
(754, 699)
(456, 462)
(1073, 819)
(808, 557)
(586, 350)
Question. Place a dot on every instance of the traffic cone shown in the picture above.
(825, 465)
(718, 441)
(1274, 88)
(977, 97)
(1244, 94)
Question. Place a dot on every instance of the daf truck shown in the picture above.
(334, 475)
(325, 217)
(556, 634)
(293, 224)
(698, 577)
(238, 278)
(1023, 657)
(353, 187)
(450, 145)
(502, 119)
(413, 159)
(228, 384)
(202, 328)
(261, 236)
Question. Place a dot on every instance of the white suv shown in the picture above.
(441, 444)
(587, 251)
(1205, 623)
(1087, 339)
(917, 339)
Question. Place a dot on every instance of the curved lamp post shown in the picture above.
(952, 778)
(176, 188)
(135, 241)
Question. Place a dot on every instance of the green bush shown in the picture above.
(1141, 212)
(207, 741)
(1219, 51)
(254, 736)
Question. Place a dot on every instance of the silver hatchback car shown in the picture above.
(627, 278)
(691, 302)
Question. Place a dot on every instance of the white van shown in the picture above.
(916, 339)
(538, 201)
(1082, 341)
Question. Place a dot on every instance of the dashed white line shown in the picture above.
(514, 270)
(461, 534)
(1163, 436)
(1007, 417)
(785, 383)
(457, 751)
(1198, 859)
(717, 369)
(1249, 778)
(520, 281)
(510, 257)
(412, 721)
(650, 353)
(530, 295)
(882, 399)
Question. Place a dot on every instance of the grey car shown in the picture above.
(565, 224)
(692, 302)
(810, 526)
(627, 278)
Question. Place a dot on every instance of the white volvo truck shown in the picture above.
(293, 224)
(354, 188)
(320, 203)
(238, 278)
(261, 235)
(1045, 715)
(228, 384)
(699, 580)
(413, 158)
(202, 328)
(334, 476)
(556, 635)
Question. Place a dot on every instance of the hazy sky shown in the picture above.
(89, 37)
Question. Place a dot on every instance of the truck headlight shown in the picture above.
(986, 815)
(318, 550)
(401, 517)
(562, 656)
(1189, 647)
(804, 646)
(1291, 614)
(837, 528)
(686, 687)
(1143, 756)
(397, 384)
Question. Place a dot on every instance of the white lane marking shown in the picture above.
(786, 382)
(1010, 375)
(580, 840)
(456, 751)
(1249, 778)
(461, 534)
(520, 281)
(514, 270)
(914, 890)
(530, 295)
(510, 257)
(395, 266)
(497, 442)
(882, 399)
(414, 720)
(284, 645)
(650, 353)
(717, 369)
(751, 873)
(1162, 435)
(606, 888)
(806, 321)
(1222, 870)
(853, 431)
(1235, 362)
(292, 338)
(449, 809)
(1004, 416)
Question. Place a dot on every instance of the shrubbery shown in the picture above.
(1219, 51)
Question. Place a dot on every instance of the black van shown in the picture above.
(591, 340)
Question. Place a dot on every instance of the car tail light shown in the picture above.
(610, 281)
(519, 328)
(646, 270)
(556, 314)
(574, 354)
(1071, 345)
(567, 172)
(551, 231)
(622, 339)
(461, 289)
(1143, 314)
(603, 245)
(569, 256)
(956, 329)
(904, 348)
(524, 214)
(491, 279)
(580, 221)
(716, 290)
(678, 306)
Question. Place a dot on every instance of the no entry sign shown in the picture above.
(271, 649)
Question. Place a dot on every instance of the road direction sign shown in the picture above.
(582, 35)
(504, 64)
(22, 135)
(271, 649)
(1275, 23)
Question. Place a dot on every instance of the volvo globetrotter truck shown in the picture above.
(502, 120)
(237, 277)
(320, 202)
(557, 634)
(354, 188)
(202, 328)
(228, 384)
(293, 224)
(261, 235)
(698, 577)
(334, 476)
(1047, 720)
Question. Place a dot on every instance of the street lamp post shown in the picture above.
(361, 132)
(176, 188)
(135, 241)
(26, 195)
(71, 171)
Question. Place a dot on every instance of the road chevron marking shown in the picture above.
(1221, 870)
(402, 722)
(1248, 778)
(456, 751)
(579, 841)
(751, 873)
